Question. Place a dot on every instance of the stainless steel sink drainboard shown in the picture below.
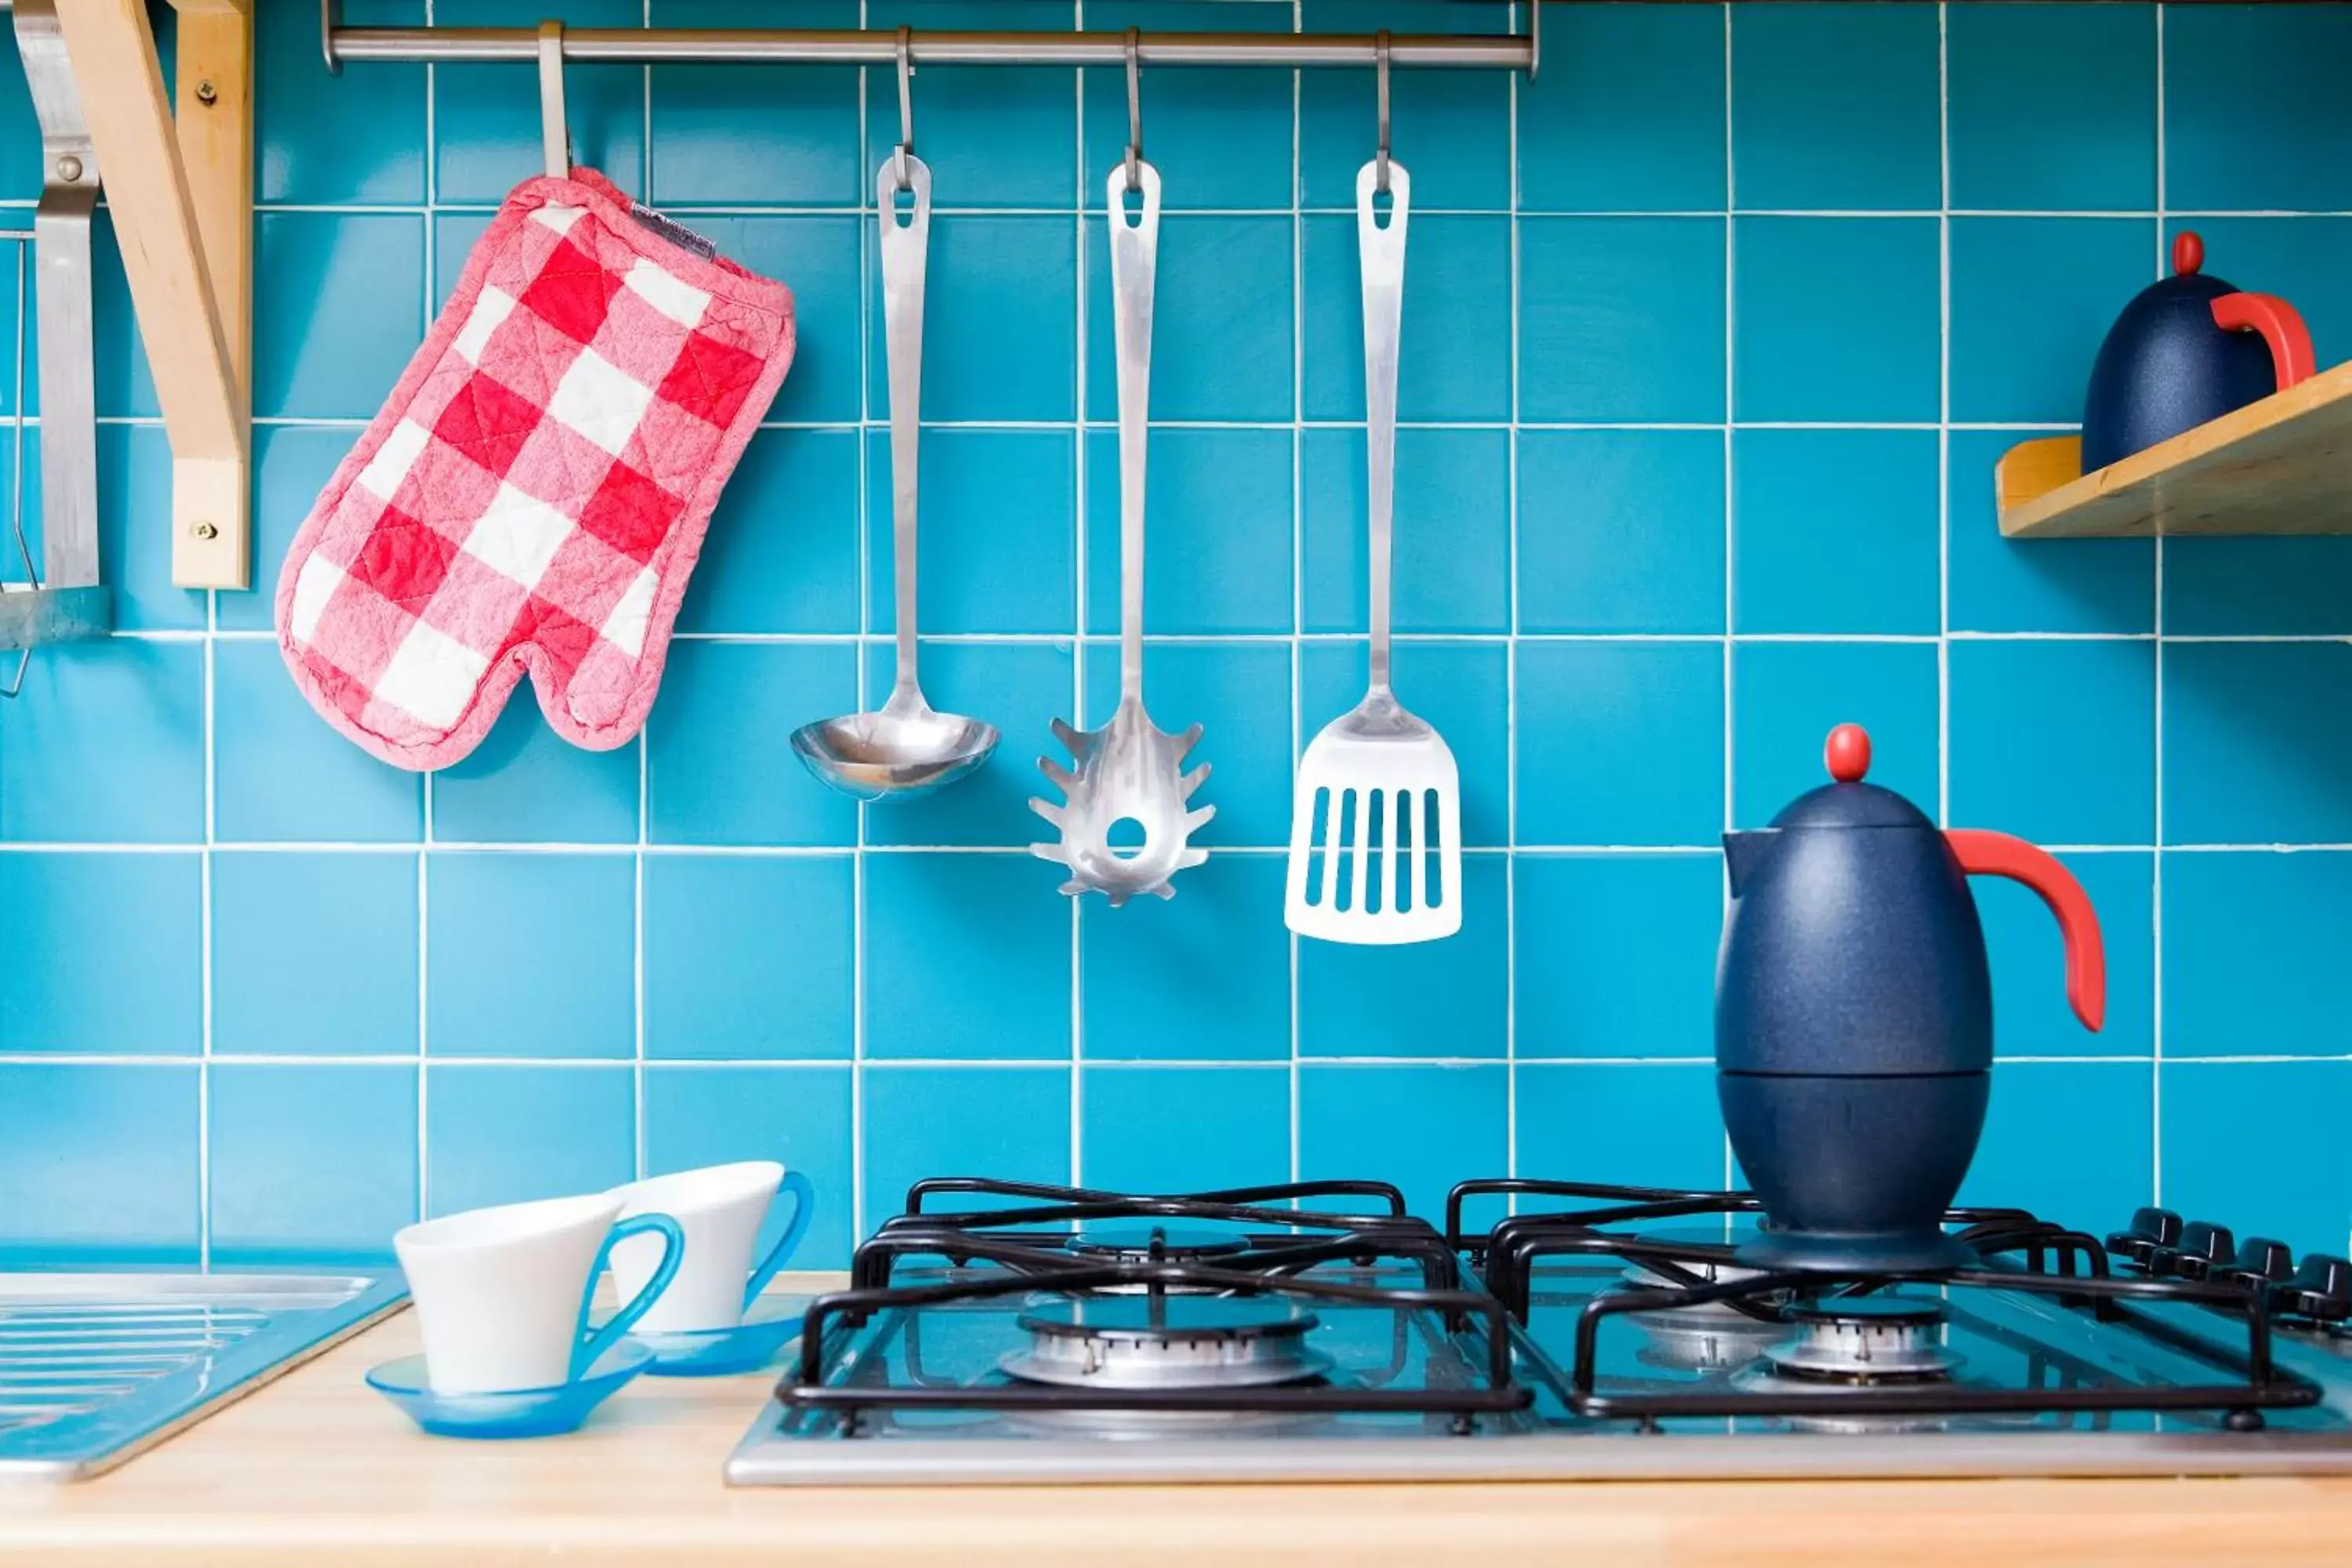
(96, 1367)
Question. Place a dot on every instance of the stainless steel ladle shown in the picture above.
(905, 749)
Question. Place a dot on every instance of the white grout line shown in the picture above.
(1080, 175)
(445, 1063)
(2156, 861)
(1267, 427)
(1511, 676)
(1944, 416)
(846, 851)
(1297, 527)
(204, 885)
(645, 804)
(424, 859)
(196, 635)
(1730, 496)
(848, 210)
(868, 263)
(637, 957)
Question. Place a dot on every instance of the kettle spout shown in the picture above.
(1743, 853)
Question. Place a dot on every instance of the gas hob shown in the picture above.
(1004, 1332)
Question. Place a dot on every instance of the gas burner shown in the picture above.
(1159, 1342)
(1711, 1336)
(1154, 1244)
(1865, 1341)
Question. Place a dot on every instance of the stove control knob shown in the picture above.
(2149, 1229)
(2321, 1288)
(2260, 1261)
(2203, 1249)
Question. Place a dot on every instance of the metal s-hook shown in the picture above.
(905, 107)
(554, 138)
(1380, 67)
(1134, 111)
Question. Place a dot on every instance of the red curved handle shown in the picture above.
(2000, 855)
(2281, 326)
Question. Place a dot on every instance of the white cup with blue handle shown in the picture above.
(722, 1209)
(502, 1294)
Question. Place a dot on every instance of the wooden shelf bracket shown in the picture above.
(179, 188)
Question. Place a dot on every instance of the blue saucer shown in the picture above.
(770, 1324)
(515, 1413)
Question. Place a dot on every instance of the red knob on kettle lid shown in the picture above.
(1848, 753)
(2188, 252)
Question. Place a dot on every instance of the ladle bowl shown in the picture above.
(893, 752)
(903, 748)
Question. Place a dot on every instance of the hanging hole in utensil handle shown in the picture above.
(554, 138)
(1380, 72)
(905, 107)
(1134, 111)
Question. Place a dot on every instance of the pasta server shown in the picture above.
(1376, 821)
(1130, 770)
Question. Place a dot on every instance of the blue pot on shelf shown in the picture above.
(1854, 1017)
(2187, 349)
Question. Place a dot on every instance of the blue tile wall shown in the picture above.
(1713, 336)
(1657, 1123)
(1836, 319)
(1153, 1127)
(530, 955)
(312, 1162)
(101, 1162)
(315, 952)
(1351, 1116)
(1862, 557)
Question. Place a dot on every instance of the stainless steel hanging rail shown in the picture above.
(642, 46)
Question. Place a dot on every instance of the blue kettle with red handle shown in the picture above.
(2187, 349)
(1854, 1017)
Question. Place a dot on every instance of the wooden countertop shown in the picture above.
(317, 1468)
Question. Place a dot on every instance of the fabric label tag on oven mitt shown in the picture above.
(534, 494)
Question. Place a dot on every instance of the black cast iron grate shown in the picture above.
(1273, 1262)
(2067, 1266)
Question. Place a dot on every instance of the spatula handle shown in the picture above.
(1134, 259)
(1381, 249)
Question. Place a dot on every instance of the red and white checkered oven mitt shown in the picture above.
(534, 494)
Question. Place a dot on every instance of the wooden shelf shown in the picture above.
(2280, 465)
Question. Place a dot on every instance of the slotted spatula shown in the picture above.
(1376, 823)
